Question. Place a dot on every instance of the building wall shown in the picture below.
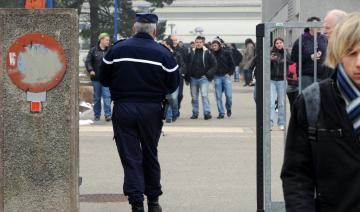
(294, 10)
(232, 20)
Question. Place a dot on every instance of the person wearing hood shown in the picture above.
(92, 65)
(200, 72)
(225, 68)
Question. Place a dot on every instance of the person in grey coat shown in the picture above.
(248, 60)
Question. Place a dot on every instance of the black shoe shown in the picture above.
(97, 118)
(229, 113)
(207, 117)
(193, 117)
(153, 205)
(220, 116)
(174, 118)
(139, 207)
(168, 120)
(107, 118)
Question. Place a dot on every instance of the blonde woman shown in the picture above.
(321, 170)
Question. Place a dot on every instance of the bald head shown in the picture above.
(331, 19)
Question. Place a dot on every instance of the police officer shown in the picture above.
(140, 73)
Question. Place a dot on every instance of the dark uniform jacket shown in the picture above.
(329, 167)
(307, 51)
(225, 63)
(201, 63)
(277, 65)
(139, 70)
(94, 59)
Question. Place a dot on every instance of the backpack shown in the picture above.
(312, 98)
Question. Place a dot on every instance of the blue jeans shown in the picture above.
(247, 76)
(104, 92)
(223, 84)
(200, 85)
(237, 74)
(173, 109)
(278, 93)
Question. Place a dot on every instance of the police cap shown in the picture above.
(148, 18)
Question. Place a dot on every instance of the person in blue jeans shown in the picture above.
(201, 69)
(172, 112)
(278, 82)
(224, 70)
(92, 64)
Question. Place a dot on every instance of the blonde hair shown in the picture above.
(345, 36)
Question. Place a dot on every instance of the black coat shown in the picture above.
(208, 64)
(307, 51)
(180, 61)
(225, 63)
(94, 59)
(237, 56)
(277, 65)
(329, 166)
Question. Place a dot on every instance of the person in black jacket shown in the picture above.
(321, 169)
(201, 70)
(224, 70)
(181, 51)
(308, 55)
(237, 57)
(92, 65)
(173, 110)
(278, 83)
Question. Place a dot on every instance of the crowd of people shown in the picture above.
(200, 64)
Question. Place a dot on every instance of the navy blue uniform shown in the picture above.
(140, 73)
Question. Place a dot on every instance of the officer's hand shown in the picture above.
(92, 73)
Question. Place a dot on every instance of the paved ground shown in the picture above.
(206, 165)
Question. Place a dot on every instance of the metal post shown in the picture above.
(300, 64)
(260, 29)
(50, 3)
(315, 60)
(266, 117)
(285, 80)
(116, 6)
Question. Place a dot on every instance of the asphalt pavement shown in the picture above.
(207, 166)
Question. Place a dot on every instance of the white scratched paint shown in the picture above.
(38, 64)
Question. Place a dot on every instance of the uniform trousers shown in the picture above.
(137, 129)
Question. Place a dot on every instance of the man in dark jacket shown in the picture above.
(139, 79)
(308, 55)
(321, 169)
(224, 70)
(201, 70)
(237, 57)
(92, 65)
(181, 53)
(172, 112)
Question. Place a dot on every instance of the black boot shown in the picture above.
(153, 205)
(137, 207)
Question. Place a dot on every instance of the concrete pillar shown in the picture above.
(39, 161)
